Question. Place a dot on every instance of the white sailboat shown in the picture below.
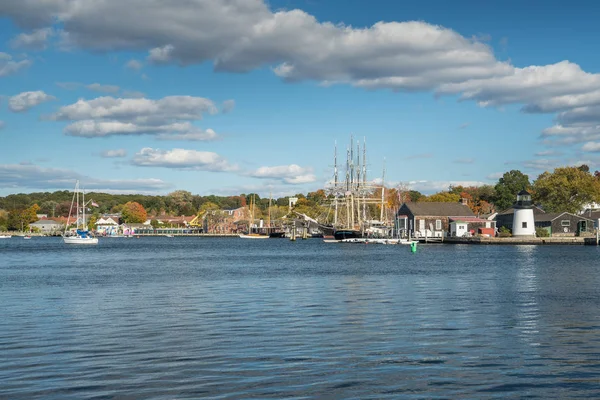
(250, 234)
(80, 236)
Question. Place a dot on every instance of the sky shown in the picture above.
(239, 96)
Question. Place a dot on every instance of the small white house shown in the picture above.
(47, 226)
(107, 226)
(459, 228)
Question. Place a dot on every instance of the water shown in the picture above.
(178, 318)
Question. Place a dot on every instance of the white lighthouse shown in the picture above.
(523, 222)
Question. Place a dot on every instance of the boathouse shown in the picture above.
(564, 224)
(429, 219)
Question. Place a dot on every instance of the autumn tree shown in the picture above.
(444, 197)
(19, 219)
(508, 186)
(566, 189)
(133, 212)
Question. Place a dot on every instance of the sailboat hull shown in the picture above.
(254, 236)
(343, 234)
(80, 240)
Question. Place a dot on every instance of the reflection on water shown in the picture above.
(223, 318)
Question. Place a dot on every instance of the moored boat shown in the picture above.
(81, 234)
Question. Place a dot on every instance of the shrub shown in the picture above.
(504, 232)
(541, 232)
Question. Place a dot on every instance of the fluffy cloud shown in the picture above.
(8, 66)
(430, 187)
(36, 40)
(114, 153)
(593, 147)
(182, 159)
(292, 174)
(96, 87)
(107, 116)
(26, 100)
(35, 177)
(241, 35)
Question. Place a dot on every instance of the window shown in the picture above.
(524, 226)
(565, 222)
(438, 224)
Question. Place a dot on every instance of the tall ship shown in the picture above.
(356, 209)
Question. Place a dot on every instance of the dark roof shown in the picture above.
(426, 208)
(536, 211)
(553, 216)
(523, 193)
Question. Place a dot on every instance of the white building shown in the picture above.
(47, 226)
(523, 220)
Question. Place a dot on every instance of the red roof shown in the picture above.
(468, 219)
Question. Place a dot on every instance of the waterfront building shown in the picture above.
(523, 219)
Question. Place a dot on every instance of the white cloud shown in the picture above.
(495, 176)
(160, 55)
(430, 187)
(592, 147)
(228, 106)
(26, 100)
(96, 87)
(291, 174)
(242, 35)
(134, 64)
(107, 116)
(192, 134)
(8, 66)
(114, 153)
(36, 40)
(182, 159)
(35, 177)
(543, 164)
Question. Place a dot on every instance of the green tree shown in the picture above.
(444, 197)
(134, 212)
(566, 189)
(508, 186)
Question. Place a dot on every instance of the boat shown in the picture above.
(250, 234)
(5, 236)
(273, 231)
(169, 235)
(81, 234)
(27, 237)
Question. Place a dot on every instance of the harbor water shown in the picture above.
(227, 318)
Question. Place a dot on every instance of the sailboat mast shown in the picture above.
(335, 184)
(269, 215)
(83, 224)
(382, 191)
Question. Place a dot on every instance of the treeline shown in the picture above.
(180, 202)
(565, 189)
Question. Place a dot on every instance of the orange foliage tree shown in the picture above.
(134, 212)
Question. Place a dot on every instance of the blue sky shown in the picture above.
(243, 96)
